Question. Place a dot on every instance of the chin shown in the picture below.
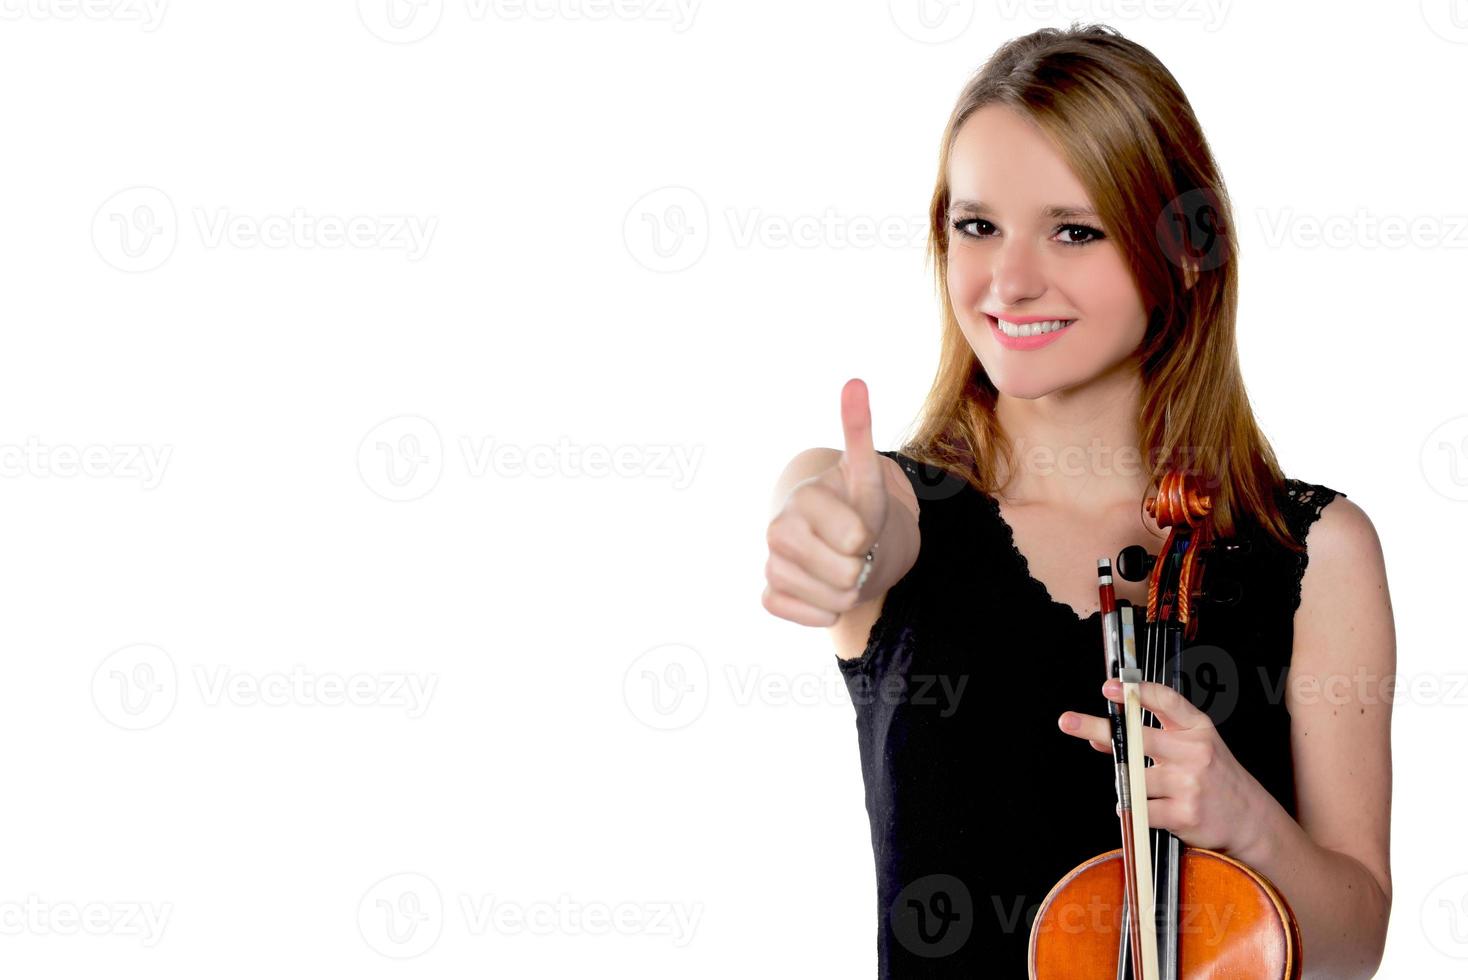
(1028, 388)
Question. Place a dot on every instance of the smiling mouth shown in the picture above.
(1017, 330)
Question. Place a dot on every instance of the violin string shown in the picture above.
(1156, 634)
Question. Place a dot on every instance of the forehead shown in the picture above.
(1005, 160)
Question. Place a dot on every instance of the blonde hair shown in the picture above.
(1122, 123)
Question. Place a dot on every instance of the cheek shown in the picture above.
(968, 281)
(1112, 294)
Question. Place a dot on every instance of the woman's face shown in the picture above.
(1023, 245)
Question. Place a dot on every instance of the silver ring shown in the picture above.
(866, 569)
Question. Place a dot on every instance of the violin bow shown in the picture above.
(1131, 842)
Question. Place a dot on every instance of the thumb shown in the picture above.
(863, 473)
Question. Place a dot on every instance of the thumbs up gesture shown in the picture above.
(819, 538)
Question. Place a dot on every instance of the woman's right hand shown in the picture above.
(819, 538)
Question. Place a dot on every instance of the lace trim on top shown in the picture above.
(1302, 506)
(1033, 584)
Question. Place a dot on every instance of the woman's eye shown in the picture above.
(961, 224)
(1070, 234)
(1091, 234)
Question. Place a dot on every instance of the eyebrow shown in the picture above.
(1053, 211)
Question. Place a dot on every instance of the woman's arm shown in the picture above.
(1334, 864)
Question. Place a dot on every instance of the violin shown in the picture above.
(1155, 909)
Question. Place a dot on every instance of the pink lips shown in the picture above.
(1025, 343)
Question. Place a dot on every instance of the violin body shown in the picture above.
(1234, 923)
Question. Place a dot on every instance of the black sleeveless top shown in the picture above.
(969, 834)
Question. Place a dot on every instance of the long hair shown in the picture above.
(1122, 123)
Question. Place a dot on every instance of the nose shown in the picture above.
(1016, 275)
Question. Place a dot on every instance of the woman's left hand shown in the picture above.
(1195, 787)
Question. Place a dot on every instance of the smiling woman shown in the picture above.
(1083, 249)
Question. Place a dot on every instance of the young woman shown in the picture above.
(1084, 250)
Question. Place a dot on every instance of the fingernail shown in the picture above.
(1069, 722)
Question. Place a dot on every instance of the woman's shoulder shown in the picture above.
(931, 483)
(1302, 498)
(1335, 525)
(1322, 513)
(1336, 532)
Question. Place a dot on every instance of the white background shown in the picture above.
(643, 230)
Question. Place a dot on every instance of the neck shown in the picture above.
(1077, 448)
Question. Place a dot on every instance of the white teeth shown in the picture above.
(1030, 329)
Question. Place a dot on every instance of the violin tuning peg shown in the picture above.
(1133, 563)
